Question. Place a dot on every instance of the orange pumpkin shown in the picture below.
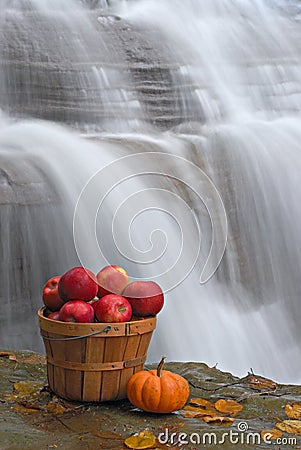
(158, 391)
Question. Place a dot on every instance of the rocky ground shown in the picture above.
(34, 418)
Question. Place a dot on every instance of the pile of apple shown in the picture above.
(81, 296)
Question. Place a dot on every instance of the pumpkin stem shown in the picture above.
(160, 366)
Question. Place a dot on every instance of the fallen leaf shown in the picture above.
(228, 406)
(270, 435)
(143, 439)
(217, 420)
(8, 355)
(27, 387)
(261, 382)
(290, 426)
(26, 410)
(203, 411)
(33, 359)
(293, 411)
(31, 396)
(192, 414)
(202, 402)
(54, 408)
(25, 391)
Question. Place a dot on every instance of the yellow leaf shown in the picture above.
(261, 382)
(23, 409)
(25, 391)
(143, 439)
(290, 426)
(27, 387)
(293, 411)
(228, 406)
(54, 408)
(217, 420)
(270, 435)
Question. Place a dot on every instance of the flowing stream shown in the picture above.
(113, 115)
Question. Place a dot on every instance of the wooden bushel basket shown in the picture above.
(97, 367)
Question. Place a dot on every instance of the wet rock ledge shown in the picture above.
(33, 418)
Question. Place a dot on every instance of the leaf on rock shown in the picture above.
(25, 389)
(8, 355)
(261, 382)
(202, 402)
(217, 420)
(270, 435)
(143, 439)
(33, 359)
(54, 408)
(26, 410)
(290, 426)
(30, 396)
(204, 412)
(192, 414)
(293, 411)
(228, 406)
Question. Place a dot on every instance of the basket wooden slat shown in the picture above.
(95, 368)
(92, 380)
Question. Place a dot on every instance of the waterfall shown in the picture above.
(127, 126)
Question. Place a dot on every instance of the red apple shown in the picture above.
(51, 296)
(112, 308)
(146, 297)
(77, 311)
(112, 280)
(78, 283)
(54, 315)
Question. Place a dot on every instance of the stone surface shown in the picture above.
(90, 69)
(105, 426)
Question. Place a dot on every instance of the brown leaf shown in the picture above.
(141, 440)
(203, 411)
(270, 435)
(261, 382)
(8, 355)
(293, 411)
(290, 426)
(192, 414)
(33, 359)
(217, 420)
(228, 406)
(202, 402)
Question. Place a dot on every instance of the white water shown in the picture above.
(242, 74)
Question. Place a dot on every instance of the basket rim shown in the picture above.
(96, 325)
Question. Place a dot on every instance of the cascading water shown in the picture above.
(214, 82)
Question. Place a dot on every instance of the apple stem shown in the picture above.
(160, 366)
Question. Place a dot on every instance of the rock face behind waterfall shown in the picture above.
(31, 222)
(87, 69)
